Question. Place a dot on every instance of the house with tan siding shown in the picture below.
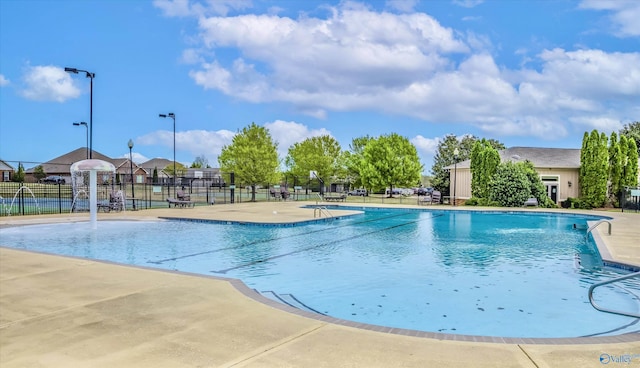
(6, 171)
(558, 168)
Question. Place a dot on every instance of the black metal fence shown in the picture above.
(41, 199)
(630, 199)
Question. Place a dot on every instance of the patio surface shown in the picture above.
(69, 312)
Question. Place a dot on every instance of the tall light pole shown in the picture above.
(455, 172)
(87, 131)
(172, 116)
(89, 75)
(133, 193)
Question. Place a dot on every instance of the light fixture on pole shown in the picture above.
(133, 193)
(87, 131)
(172, 116)
(455, 172)
(89, 75)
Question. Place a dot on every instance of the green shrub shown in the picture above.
(473, 201)
(510, 186)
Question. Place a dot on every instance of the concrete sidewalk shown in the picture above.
(67, 312)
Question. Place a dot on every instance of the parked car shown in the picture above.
(358, 192)
(424, 191)
(54, 179)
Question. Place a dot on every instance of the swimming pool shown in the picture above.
(493, 274)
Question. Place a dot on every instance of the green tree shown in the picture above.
(353, 160)
(200, 162)
(444, 157)
(390, 160)
(484, 163)
(632, 131)
(510, 186)
(594, 169)
(38, 173)
(181, 170)
(615, 169)
(155, 175)
(252, 156)
(631, 164)
(321, 154)
(18, 177)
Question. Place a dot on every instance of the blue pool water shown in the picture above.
(491, 274)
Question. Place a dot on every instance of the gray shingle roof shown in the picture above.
(551, 158)
(62, 164)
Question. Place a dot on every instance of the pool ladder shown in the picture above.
(607, 310)
(596, 225)
(319, 209)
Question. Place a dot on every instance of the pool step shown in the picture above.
(288, 299)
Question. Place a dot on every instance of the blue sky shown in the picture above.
(527, 73)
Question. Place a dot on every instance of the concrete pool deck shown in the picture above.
(69, 312)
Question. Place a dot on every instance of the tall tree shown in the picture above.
(390, 160)
(353, 160)
(631, 167)
(18, 177)
(444, 157)
(252, 156)
(615, 169)
(484, 163)
(594, 169)
(632, 131)
(322, 154)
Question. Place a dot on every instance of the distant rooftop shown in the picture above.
(551, 158)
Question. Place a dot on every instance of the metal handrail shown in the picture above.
(319, 210)
(596, 225)
(612, 311)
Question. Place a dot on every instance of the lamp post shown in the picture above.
(87, 129)
(133, 193)
(89, 75)
(455, 172)
(172, 116)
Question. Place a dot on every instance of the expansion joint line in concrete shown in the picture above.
(271, 347)
(527, 355)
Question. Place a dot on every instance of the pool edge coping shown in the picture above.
(254, 295)
(245, 290)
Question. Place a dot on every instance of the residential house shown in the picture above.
(558, 168)
(124, 168)
(157, 164)
(6, 171)
(61, 165)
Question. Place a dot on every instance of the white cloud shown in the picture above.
(427, 146)
(3, 81)
(625, 15)
(49, 83)
(601, 123)
(191, 56)
(405, 6)
(468, 3)
(210, 143)
(186, 8)
(137, 158)
(357, 59)
(286, 133)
